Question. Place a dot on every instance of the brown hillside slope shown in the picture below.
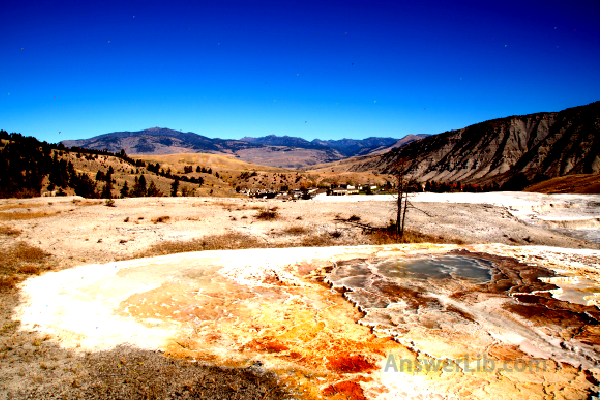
(551, 144)
(589, 183)
(234, 172)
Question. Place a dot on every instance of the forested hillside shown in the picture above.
(30, 167)
(25, 162)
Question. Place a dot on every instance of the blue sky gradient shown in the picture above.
(419, 67)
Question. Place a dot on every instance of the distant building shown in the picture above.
(48, 193)
(318, 193)
(339, 191)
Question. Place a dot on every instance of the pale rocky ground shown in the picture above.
(80, 233)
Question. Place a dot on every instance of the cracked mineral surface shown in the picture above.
(361, 322)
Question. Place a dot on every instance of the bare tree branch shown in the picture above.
(418, 209)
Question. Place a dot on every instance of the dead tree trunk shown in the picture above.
(404, 213)
(400, 208)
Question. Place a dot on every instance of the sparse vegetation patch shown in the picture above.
(295, 230)
(7, 216)
(267, 213)
(389, 236)
(20, 260)
(8, 231)
(12, 206)
(8, 282)
(79, 202)
(228, 241)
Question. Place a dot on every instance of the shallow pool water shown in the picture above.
(442, 267)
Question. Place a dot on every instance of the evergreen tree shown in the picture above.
(58, 171)
(85, 187)
(106, 194)
(72, 174)
(106, 190)
(135, 183)
(153, 190)
(139, 188)
(125, 190)
(174, 187)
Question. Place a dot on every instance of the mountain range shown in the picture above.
(273, 151)
(530, 147)
(346, 147)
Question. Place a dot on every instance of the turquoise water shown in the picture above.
(442, 267)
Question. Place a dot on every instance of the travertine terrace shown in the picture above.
(353, 320)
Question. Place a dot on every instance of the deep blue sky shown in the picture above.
(419, 66)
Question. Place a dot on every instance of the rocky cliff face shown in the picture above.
(537, 145)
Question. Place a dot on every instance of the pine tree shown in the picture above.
(174, 187)
(125, 190)
(72, 174)
(135, 183)
(153, 190)
(106, 194)
(58, 171)
(85, 187)
(106, 190)
(139, 188)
